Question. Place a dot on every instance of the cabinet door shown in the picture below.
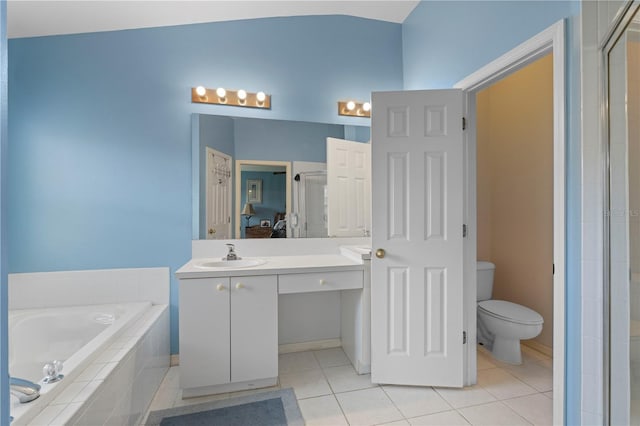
(204, 332)
(254, 328)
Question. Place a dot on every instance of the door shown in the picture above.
(348, 188)
(218, 195)
(254, 328)
(417, 273)
(204, 332)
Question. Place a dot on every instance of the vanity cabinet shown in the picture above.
(228, 333)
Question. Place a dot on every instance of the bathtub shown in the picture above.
(93, 342)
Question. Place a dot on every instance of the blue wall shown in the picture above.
(283, 140)
(443, 42)
(4, 329)
(100, 126)
(214, 132)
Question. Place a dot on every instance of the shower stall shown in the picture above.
(309, 218)
(622, 221)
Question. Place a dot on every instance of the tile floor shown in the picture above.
(330, 393)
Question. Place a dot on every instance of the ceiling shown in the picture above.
(29, 18)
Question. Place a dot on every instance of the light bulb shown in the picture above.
(201, 91)
(260, 96)
(242, 95)
(221, 92)
(351, 105)
(366, 107)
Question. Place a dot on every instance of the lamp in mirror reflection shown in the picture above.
(248, 211)
(223, 96)
(354, 108)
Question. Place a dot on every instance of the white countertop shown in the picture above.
(274, 265)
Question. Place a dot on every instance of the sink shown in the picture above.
(241, 263)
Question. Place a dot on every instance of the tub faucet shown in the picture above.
(232, 253)
(24, 390)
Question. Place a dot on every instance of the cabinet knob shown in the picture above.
(322, 282)
(220, 287)
(239, 286)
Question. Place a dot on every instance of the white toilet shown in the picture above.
(502, 324)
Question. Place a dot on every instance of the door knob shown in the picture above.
(380, 253)
(220, 287)
(212, 231)
(239, 286)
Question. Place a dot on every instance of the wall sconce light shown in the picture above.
(354, 108)
(222, 96)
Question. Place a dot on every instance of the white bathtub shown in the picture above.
(90, 340)
(72, 335)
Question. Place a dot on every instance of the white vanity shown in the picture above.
(228, 315)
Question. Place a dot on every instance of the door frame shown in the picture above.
(238, 184)
(551, 40)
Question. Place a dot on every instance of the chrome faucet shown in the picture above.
(232, 253)
(24, 390)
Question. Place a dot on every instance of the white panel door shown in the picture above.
(348, 188)
(417, 283)
(254, 328)
(204, 332)
(218, 195)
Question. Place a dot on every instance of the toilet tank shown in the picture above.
(485, 272)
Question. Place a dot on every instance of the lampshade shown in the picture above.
(248, 209)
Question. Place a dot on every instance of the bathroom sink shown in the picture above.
(241, 263)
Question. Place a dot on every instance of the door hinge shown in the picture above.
(464, 337)
(464, 123)
(464, 231)
(554, 269)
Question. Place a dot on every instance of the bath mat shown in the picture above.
(271, 408)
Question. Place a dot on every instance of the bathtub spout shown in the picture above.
(24, 390)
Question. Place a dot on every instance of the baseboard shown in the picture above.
(288, 348)
(309, 346)
(175, 360)
(544, 349)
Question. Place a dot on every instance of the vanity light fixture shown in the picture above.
(354, 108)
(222, 96)
(201, 91)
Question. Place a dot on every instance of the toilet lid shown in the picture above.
(510, 312)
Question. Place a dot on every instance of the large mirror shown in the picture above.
(259, 178)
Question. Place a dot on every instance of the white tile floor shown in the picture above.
(330, 393)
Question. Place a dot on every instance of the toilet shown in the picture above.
(502, 324)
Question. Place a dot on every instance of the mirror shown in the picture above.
(270, 152)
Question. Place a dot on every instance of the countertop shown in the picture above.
(274, 265)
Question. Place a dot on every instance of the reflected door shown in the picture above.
(417, 271)
(218, 195)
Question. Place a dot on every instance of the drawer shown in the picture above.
(319, 281)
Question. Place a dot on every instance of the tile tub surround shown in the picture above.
(128, 373)
(118, 386)
(329, 392)
(91, 287)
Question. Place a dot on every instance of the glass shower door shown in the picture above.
(623, 217)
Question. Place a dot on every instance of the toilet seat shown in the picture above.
(511, 312)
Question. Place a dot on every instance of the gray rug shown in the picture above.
(271, 408)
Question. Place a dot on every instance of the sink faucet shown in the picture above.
(25, 390)
(232, 253)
